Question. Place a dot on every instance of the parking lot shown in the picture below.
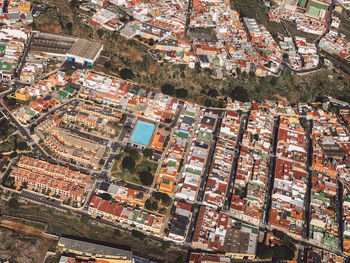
(41, 199)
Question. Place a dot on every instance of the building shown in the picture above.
(210, 229)
(77, 50)
(93, 251)
(241, 240)
(179, 222)
(84, 52)
(128, 217)
(196, 257)
(57, 182)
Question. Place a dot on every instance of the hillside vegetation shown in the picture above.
(202, 87)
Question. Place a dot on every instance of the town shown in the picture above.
(246, 181)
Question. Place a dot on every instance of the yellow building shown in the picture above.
(24, 7)
(22, 94)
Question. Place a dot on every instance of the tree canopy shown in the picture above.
(146, 178)
(147, 152)
(181, 93)
(106, 196)
(126, 73)
(168, 89)
(134, 154)
(13, 203)
(277, 252)
(128, 163)
(22, 146)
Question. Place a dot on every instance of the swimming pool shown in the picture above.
(143, 133)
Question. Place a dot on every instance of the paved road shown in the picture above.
(209, 159)
(271, 172)
(188, 16)
(21, 63)
(307, 199)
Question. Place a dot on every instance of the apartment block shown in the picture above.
(221, 167)
(56, 181)
(252, 167)
(126, 216)
(197, 157)
(176, 151)
(288, 194)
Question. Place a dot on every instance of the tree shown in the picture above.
(13, 155)
(128, 163)
(165, 244)
(148, 204)
(182, 67)
(11, 102)
(208, 103)
(123, 118)
(168, 89)
(147, 152)
(279, 252)
(107, 64)
(126, 73)
(273, 81)
(146, 178)
(165, 198)
(100, 33)
(265, 252)
(181, 93)
(137, 234)
(69, 27)
(74, 3)
(3, 128)
(101, 162)
(151, 41)
(127, 149)
(158, 195)
(134, 154)
(118, 157)
(213, 93)
(154, 206)
(105, 196)
(22, 146)
(197, 67)
(13, 203)
(239, 93)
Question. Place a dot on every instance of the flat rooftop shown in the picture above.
(240, 241)
(94, 248)
(85, 49)
(52, 43)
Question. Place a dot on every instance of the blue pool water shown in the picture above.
(143, 133)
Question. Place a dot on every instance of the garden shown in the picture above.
(135, 167)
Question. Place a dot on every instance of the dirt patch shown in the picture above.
(20, 227)
(280, 98)
(18, 247)
(54, 28)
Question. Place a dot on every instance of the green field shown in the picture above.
(133, 175)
